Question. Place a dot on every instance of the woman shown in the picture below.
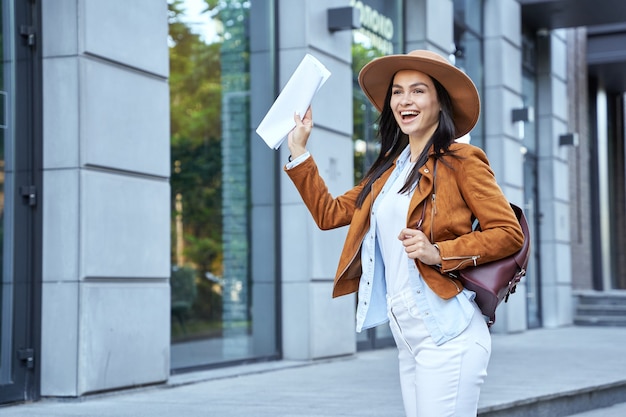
(404, 237)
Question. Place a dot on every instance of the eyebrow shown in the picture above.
(419, 83)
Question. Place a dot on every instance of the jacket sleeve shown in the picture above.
(327, 211)
(500, 234)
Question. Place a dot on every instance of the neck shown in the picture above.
(418, 140)
(417, 147)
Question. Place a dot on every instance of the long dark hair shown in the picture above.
(393, 142)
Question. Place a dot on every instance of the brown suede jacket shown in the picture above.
(465, 186)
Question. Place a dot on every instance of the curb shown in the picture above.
(561, 404)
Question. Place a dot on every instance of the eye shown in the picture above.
(396, 92)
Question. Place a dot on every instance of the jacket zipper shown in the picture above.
(454, 283)
(464, 260)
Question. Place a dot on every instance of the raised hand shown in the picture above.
(299, 135)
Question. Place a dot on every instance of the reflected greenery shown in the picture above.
(365, 114)
(209, 111)
(195, 117)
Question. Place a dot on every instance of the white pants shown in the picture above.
(438, 381)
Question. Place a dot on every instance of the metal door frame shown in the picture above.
(25, 199)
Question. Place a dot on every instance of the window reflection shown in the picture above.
(468, 53)
(209, 99)
(379, 35)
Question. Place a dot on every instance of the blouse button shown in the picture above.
(426, 171)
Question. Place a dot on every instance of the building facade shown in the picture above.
(147, 230)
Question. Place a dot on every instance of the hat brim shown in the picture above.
(376, 76)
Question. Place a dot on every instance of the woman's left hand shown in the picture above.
(417, 246)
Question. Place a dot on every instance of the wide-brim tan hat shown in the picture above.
(376, 76)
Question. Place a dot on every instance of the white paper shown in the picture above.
(296, 96)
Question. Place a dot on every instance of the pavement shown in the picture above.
(565, 371)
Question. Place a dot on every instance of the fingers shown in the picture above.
(414, 241)
(408, 233)
(308, 117)
(297, 119)
(299, 135)
(304, 121)
(417, 246)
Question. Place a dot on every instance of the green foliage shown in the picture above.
(197, 91)
(195, 117)
(196, 155)
(365, 115)
(195, 85)
(209, 311)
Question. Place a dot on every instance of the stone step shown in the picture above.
(601, 310)
(616, 297)
(600, 320)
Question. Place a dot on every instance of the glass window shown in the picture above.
(211, 282)
(468, 54)
(380, 34)
(470, 12)
(531, 190)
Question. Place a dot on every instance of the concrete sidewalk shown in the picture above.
(545, 372)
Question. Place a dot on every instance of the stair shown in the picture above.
(595, 308)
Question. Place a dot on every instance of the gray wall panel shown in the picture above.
(61, 214)
(124, 335)
(59, 24)
(124, 226)
(330, 336)
(131, 32)
(124, 119)
(61, 112)
(106, 198)
(59, 338)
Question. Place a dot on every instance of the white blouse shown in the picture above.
(390, 220)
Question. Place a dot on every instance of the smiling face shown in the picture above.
(414, 104)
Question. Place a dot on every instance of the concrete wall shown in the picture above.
(552, 120)
(429, 25)
(106, 242)
(313, 324)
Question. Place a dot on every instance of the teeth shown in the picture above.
(409, 113)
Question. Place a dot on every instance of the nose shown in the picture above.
(405, 99)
